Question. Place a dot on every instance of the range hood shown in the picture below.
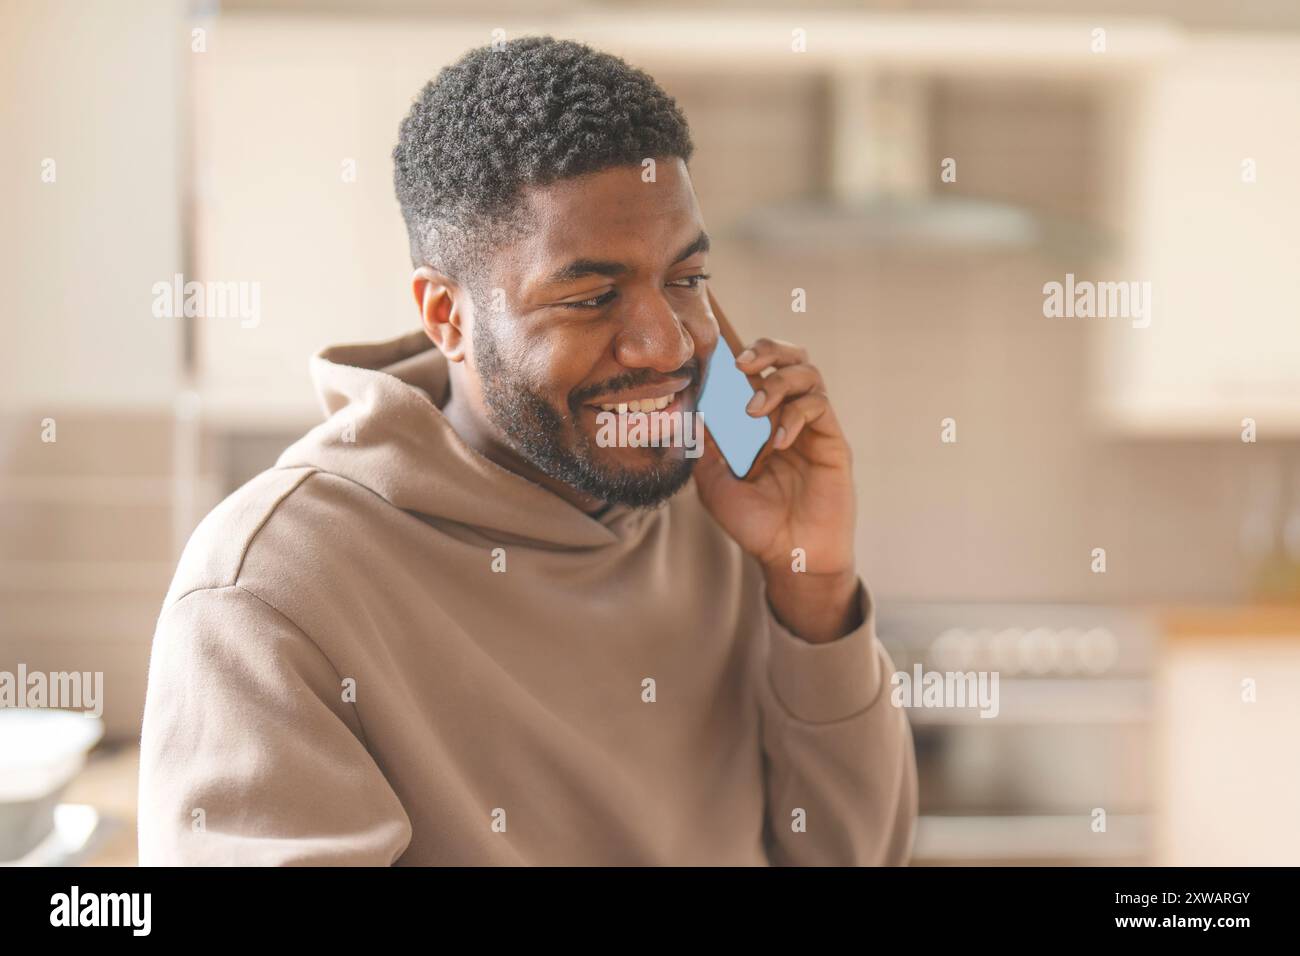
(882, 184)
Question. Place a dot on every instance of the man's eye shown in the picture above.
(594, 303)
(688, 282)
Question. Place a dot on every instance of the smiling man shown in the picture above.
(451, 626)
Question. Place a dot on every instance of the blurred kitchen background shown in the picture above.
(216, 140)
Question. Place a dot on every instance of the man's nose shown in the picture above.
(653, 336)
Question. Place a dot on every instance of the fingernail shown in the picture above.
(780, 437)
(757, 401)
(745, 356)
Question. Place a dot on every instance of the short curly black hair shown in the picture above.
(527, 112)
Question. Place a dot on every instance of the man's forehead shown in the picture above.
(612, 215)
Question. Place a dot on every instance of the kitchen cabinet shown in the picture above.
(1206, 208)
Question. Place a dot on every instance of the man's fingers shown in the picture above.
(770, 353)
(797, 414)
(788, 382)
(793, 392)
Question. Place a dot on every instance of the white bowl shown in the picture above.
(40, 752)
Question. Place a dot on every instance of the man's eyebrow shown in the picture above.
(580, 268)
(701, 244)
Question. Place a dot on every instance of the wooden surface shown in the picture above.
(1228, 622)
(110, 784)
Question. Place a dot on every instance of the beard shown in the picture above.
(535, 430)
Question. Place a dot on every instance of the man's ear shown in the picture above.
(443, 309)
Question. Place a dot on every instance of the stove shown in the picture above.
(1057, 771)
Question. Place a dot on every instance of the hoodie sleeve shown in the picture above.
(249, 755)
(836, 749)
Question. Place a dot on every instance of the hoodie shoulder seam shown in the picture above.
(365, 740)
(228, 577)
(307, 472)
(326, 473)
(212, 589)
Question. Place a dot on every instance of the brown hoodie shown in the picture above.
(387, 649)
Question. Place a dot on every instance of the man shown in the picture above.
(451, 626)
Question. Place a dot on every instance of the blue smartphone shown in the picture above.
(726, 392)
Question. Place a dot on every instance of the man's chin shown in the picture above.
(637, 478)
(634, 462)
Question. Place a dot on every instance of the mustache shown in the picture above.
(632, 379)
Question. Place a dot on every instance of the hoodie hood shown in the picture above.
(385, 430)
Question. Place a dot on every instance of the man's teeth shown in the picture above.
(645, 405)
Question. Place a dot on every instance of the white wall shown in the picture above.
(282, 104)
(94, 87)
